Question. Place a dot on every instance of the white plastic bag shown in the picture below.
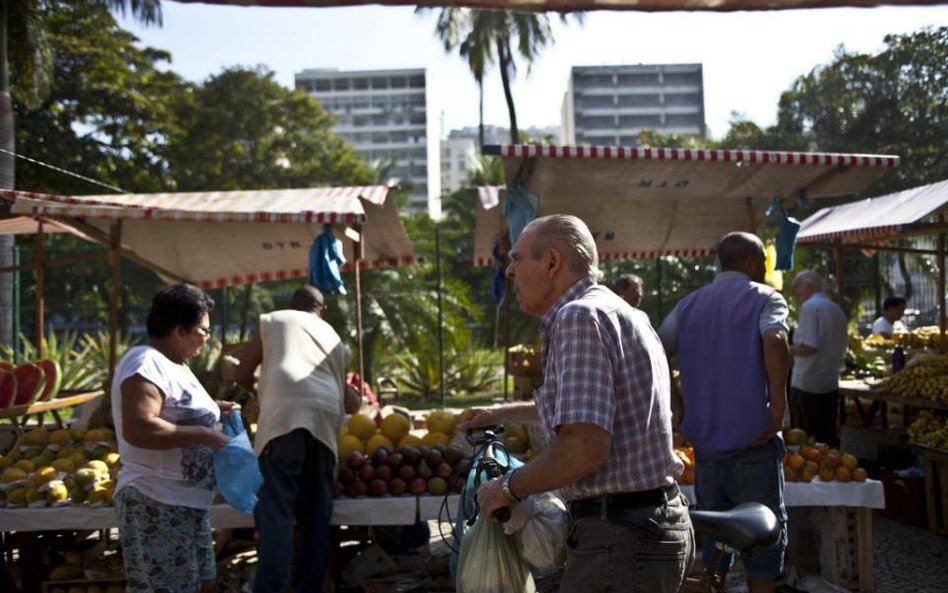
(541, 524)
(490, 561)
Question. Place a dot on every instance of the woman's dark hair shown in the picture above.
(181, 305)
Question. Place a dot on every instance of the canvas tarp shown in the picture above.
(216, 239)
(878, 218)
(644, 203)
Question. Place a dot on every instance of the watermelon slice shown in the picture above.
(30, 382)
(7, 388)
(54, 378)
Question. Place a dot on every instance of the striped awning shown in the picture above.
(216, 239)
(576, 5)
(645, 203)
(875, 219)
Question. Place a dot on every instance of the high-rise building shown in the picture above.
(458, 160)
(390, 118)
(610, 105)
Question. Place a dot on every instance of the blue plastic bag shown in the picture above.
(236, 468)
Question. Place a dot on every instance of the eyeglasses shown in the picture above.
(204, 331)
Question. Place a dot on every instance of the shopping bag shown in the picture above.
(540, 523)
(490, 561)
(235, 466)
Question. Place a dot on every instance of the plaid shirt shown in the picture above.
(603, 364)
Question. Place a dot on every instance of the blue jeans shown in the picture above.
(605, 555)
(297, 485)
(748, 475)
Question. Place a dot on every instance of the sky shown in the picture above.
(749, 58)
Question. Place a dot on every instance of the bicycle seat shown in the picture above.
(750, 528)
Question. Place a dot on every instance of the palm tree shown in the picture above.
(484, 35)
(24, 46)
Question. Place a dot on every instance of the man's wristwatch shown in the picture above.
(505, 488)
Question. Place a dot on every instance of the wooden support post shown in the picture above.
(115, 259)
(40, 292)
(864, 560)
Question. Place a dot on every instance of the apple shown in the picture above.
(394, 460)
(423, 469)
(444, 470)
(397, 486)
(437, 486)
(355, 460)
(434, 458)
(378, 487)
(410, 455)
(407, 473)
(380, 455)
(384, 472)
(418, 486)
(367, 472)
(356, 488)
(346, 474)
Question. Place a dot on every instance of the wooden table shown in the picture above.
(858, 391)
(19, 415)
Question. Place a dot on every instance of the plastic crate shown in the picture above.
(904, 499)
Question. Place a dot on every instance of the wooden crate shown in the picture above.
(935, 468)
(850, 539)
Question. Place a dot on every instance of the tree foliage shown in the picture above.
(242, 130)
(894, 102)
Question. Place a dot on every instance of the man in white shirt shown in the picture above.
(819, 354)
(302, 380)
(893, 308)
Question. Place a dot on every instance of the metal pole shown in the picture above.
(115, 258)
(357, 250)
(838, 254)
(16, 305)
(441, 389)
(40, 292)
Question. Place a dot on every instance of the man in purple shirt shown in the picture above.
(605, 411)
(731, 341)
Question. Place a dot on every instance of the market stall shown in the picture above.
(218, 239)
(918, 391)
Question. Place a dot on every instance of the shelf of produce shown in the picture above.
(394, 510)
(858, 391)
(19, 414)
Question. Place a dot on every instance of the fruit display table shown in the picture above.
(18, 415)
(389, 510)
(858, 391)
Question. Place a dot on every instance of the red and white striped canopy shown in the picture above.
(216, 239)
(875, 219)
(644, 203)
(576, 5)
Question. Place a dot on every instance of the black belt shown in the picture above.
(599, 506)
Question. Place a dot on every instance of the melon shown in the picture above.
(7, 388)
(54, 377)
(30, 382)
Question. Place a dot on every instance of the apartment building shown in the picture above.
(610, 105)
(458, 161)
(389, 117)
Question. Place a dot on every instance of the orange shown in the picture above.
(827, 474)
(811, 453)
(859, 475)
(395, 426)
(796, 461)
(823, 448)
(812, 467)
(849, 460)
(376, 441)
(807, 475)
(843, 474)
(832, 460)
(361, 426)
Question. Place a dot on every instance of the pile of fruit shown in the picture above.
(60, 467)
(807, 460)
(406, 470)
(927, 336)
(925, 377)
(28, 383)
(929, 429)
(106, 567)
(385, 456)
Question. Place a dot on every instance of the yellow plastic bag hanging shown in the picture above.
(773, 276)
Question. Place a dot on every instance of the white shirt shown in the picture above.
(821, 325)
(182, 476)
(886, 328)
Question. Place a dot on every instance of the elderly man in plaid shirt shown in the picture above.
(605, 410)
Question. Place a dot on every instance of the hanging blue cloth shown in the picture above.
(325, 257)
(786, 241)
(498, 282)
(520, 207)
